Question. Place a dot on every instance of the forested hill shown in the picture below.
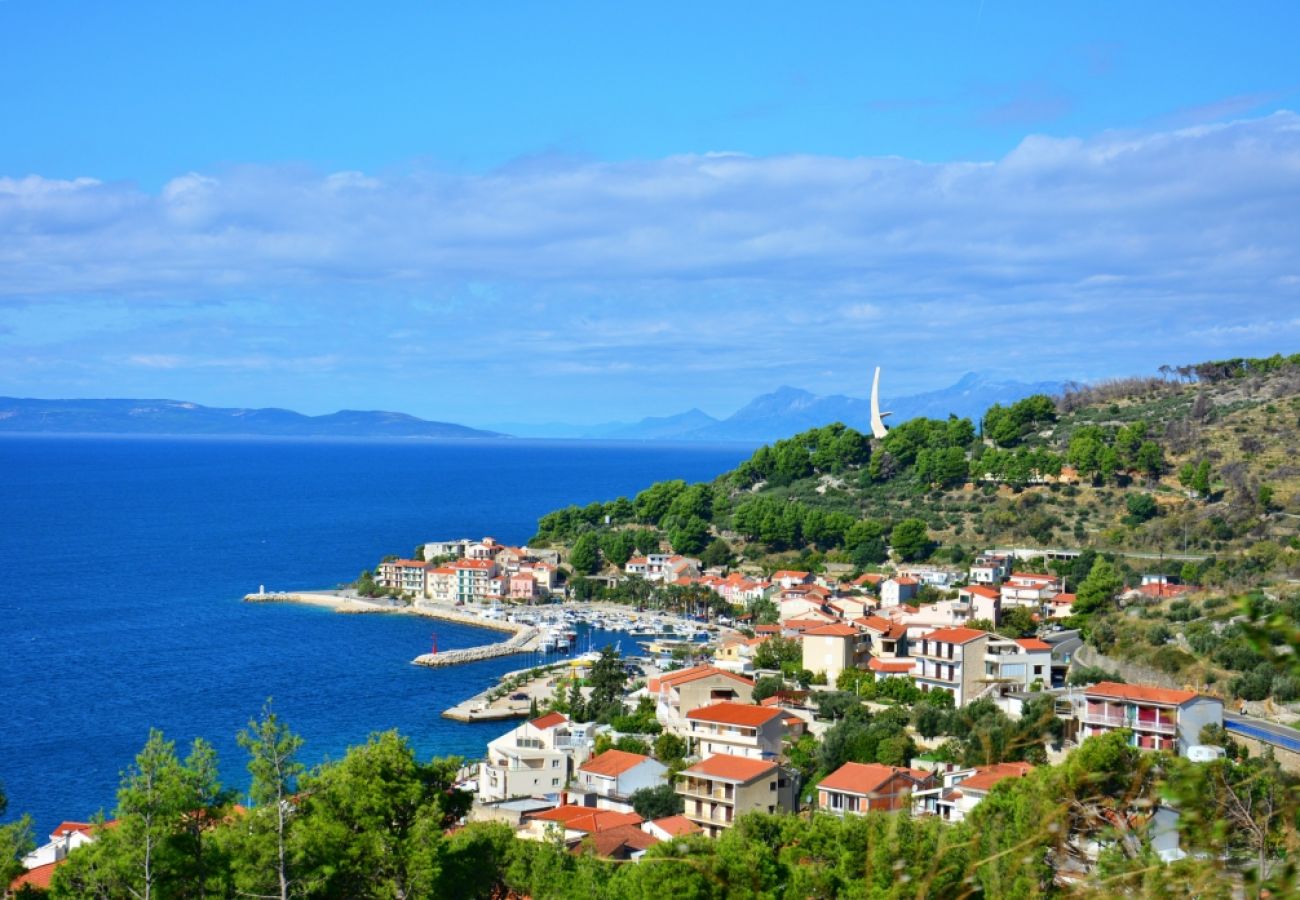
(1195, 461)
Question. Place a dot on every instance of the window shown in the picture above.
(555, 782)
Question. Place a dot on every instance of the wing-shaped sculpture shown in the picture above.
(878, 429)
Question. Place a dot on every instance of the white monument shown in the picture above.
(878, 429)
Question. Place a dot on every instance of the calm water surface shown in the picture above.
(124, 561)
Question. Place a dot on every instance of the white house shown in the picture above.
(608, 781)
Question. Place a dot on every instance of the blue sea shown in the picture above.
(124, 562)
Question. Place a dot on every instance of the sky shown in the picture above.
(583, 212)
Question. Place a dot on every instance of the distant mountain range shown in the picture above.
(180, 418)
(789, 410)
(766, 418)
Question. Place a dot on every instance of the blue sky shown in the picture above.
(582, 212)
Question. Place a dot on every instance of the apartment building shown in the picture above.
(535, 759)
(720, 788)
(952, 660)
(473, 579)
(1019, 662)
(1159, 718)
(677, 693)
(830, 649)
(406, 575)
(737, 729)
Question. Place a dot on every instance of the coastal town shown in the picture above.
(720, 714)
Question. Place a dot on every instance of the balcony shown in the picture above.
(726, 795)
(719, 817)
(1120, 721)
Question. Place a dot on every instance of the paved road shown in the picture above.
(1261, 730)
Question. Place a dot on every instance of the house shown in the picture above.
(1159, 718)
(608, 781)
(484, 550)
(1021, 662)
(737, 729)
(670, 827)
(830, 649)
(984, 602)
(677, 693)
(931, 575)
(523, 586)
(897, 590)
(1029, 589)
(721, 787)
(963, 789)
(888, 638)
(1061, 606)
(68, 836)
(952, 660)
(848, 608)
(797, 606)
(787, 578)
(440, 584)
(737, 654)
(623, 843)
(570, 824)
(990, 568)
(534, 759)
(862, 787)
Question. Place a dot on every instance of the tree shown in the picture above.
(274, 767)
(689, 535)
(150, 803)
(584, 558)
(768, 685)
(775, 652)
(1141, 507)
(204, 801)
(718, 553)
(1018, 621)
(657, 802)
(910, 540)
(15, 843)
(669, 748)
(1099, 589)
(608, 679)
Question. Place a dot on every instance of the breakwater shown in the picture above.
(523, 638)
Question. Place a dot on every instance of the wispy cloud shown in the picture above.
(753, 270)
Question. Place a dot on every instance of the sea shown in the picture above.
(125, 560)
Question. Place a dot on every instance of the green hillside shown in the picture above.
(1196, 462)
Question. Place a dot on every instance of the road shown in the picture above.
(1261, 730)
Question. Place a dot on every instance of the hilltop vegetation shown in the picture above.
(1197, 461)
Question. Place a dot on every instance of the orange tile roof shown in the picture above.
(789, 573)
(550, 720)
(612, 840)
(836, 629)
(473, 564)
(875, 623)
(982, 591)
(868, 778)
(1033, 644)
(65, 828)
(1063, 599)
(1144, 693)
(37, 878)
(904, 579)
(676, 826)
(987, 776)
(876, 664)
(1033, 576)
(586, 818)
(731, 768)
(727, 713)
(869, 578)
(695, 673)
(955, 635)
(613, 763)
(767, 629)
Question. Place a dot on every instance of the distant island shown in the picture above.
(175, 417)
(766, 418)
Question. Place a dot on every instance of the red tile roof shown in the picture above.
(1034, 576)
(695, 673)
(905, 579)
(836, 629)
(955, 635)
(983, 591)
(65, 828)
(888, 665)
(613, 763)
(987, 776)
(586, 818)
(37, 878)
(473, 564)
(788, 573)
(727, 713)
(550, 720)
(1063, 599)
(726, 767)
(613, 841)
(676, 826)
(868, 778)
(1144, 693)
(1033, 644)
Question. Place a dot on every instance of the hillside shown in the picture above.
(175, 417)
(1196, 462)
